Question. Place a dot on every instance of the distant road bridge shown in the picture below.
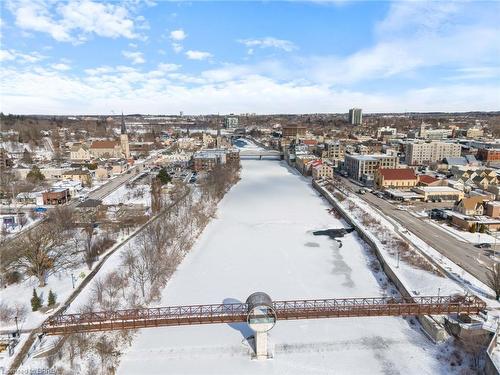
(238, 312)
(261, 153)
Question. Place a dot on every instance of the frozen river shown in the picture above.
(261, 240)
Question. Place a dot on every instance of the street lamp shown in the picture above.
(495, 245)
(73, 280)
(17, 326)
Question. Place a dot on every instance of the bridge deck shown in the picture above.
(237, 312)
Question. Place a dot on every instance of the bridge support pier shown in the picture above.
(261, 346)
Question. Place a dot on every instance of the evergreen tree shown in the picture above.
(51, 301)
(36, 302)
(163, 176)
(35, 175)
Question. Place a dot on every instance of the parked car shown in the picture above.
(483, 245)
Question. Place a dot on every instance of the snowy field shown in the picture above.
(262, 240)
(461, 235)
(138, 194)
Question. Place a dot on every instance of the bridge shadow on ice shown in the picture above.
(242, 327)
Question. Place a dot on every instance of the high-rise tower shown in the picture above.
(355, 116)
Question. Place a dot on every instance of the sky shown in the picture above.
(163, 57)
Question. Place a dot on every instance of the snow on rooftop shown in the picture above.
(437, 189)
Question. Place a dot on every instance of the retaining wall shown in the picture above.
(490, 368)
(432, 328)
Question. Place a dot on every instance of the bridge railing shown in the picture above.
(237, 312)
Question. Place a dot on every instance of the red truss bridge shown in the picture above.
(275, 310)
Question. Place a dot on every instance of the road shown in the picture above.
(99, 193)
(461, 253)
(116, 182)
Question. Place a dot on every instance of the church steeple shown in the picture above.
(124, 140)
(123, 128)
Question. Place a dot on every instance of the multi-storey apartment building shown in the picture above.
(434, 133)
(294, 131)
(206, 160)
(334, 151)
(362, 167)
(355, 116)
(430, 152)
(231, 122)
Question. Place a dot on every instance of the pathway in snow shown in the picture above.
(262, 240)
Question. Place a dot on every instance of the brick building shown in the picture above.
(488, 154)
(55, 196)
(395, 178)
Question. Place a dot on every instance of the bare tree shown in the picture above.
(63, 217)
(107, 352)
(88, 221)
(493, 278)
(113, 284)
(138, 270)
(39, 253)
(475, 346)
(156, 199)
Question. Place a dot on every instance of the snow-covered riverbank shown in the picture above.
(262, 240)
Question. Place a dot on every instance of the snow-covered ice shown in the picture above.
(261, 240)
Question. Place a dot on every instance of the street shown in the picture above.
(99, 193)
(461, 253)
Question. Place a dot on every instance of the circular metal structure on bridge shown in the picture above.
(261, 316)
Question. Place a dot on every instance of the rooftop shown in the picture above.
(426, 179)
(104, 144)
(397, 173)
(373, 157)
(438, 189)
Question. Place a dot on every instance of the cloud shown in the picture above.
(177, 47)
(74, 21)
(198, 55)
(269, 42)
(413, 37)
(21, 57)
(60, 66)
(153, 92)
(168, 67)
(6, 55)
(134, 57)
(99, 70)
(477, 72)
(178, 35)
